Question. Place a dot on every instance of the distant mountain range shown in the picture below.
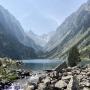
(17, 44)
(14, 42)
(40, 40)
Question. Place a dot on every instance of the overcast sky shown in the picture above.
(41, 16)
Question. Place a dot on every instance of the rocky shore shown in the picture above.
(60, 78)
(10, 71)
(63, 78)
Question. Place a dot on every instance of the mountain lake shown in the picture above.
(41, 64)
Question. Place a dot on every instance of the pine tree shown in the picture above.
(74, 57)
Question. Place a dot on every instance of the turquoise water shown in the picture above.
(41, 64)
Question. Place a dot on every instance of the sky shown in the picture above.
(41, 16)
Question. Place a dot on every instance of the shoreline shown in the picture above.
(77, 77)
(61, 77)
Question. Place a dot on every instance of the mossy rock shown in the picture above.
(12, 77)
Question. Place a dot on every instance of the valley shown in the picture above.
(56, 44)
(57, 60)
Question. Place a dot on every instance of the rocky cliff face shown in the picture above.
(71, 32)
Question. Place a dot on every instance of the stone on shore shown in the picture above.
(75, 78)
(47, 80)
(67, 77)
(60, 67)
(41, 86)
(61, 84)
(31, 87)
(86, 88)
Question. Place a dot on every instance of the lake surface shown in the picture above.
(41, 64)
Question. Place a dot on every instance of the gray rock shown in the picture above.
(76, 72)
(61, 66)
(79, 77)
(52, 75)
(31, 87)
(88, 73)
(67, 77)
(60, 84)
(41, 86)
(83, 73)
(86, 88)
(53, 81)
(69, 73)
(47, 80)
(69, 69)
(65, 74)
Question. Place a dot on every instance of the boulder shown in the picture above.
(60, 84)
(67, 77)
(69, 73)
(31, 87)
(53, 81)
(61, 66)
(76, 72)
(83, 73)
(88, 74)
(34, 79)
(25, 73)
(52, 75)
(47, 80)
(86, 88)
(41, 86)
(87, 84)
(60, 74)
(69, 69)
(79, 77)
(65, 74)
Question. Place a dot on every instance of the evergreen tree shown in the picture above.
(74, 57)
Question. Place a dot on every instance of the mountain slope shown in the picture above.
(14, 43)
(71, 32)
(40, 40)
(13, 27)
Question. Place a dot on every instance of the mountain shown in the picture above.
(72, 31)
(14, 43)
(13, 27)
(40, 40)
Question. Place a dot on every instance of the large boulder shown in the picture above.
(47, 80)
(31, 87)
(60, 84)
(86, 88)
(67, 77)
(41, 86)
(61, 66)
